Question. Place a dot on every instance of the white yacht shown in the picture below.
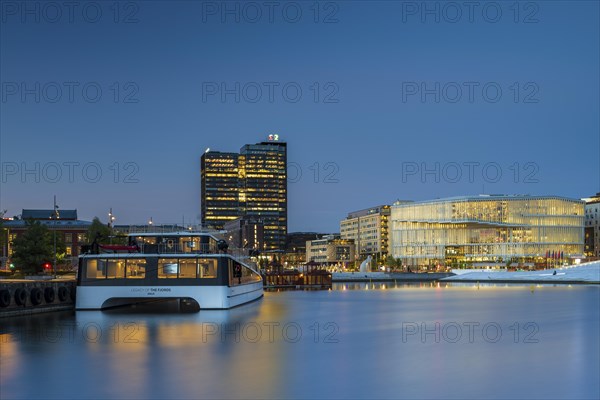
(177, 265)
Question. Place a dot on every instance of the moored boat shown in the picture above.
(193, 266)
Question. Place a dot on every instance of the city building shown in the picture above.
(250, 184)
(370, 231)
(295, 246)
(331, 251)
(263, 189)
(245, 233)
(220, 184)
(65, 223)
(488, 231)
(592, 226)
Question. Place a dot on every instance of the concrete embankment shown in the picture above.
(28, 296)
(385, 277)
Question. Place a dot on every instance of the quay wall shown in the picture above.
(27, 296)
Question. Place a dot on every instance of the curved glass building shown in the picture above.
(488, 230)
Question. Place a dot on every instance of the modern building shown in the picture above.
(65, 223)
(250, 184)
(245, 233)
(220, 188)
(592, 226)
(488, 230)
(331, 251)
(295, 246)
(369, 228)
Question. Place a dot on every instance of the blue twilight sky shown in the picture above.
(110, 104)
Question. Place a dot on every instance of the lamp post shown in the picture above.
(54, 216)
(111, 219)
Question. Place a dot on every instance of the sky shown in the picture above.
(110, 104)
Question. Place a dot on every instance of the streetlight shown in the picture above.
(111, 219)
(54, 216)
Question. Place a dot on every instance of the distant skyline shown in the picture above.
(378, 101)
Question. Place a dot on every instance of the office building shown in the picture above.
(592, 226)
(219, 188)
(245, 233)
(331, 251)
(370, 231)
(251, 184)
(263, 189)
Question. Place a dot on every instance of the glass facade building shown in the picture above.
(263, 189)
(251, 184)
(487, 230)
(219, 188)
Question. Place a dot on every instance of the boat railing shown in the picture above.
(241, 255)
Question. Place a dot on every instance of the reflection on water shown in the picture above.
(359, 340)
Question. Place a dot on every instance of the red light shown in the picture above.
(47, 266)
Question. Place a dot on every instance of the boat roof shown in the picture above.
(181, 234)
(161, 255)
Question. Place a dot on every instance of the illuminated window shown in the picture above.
(136, 269)
(95, 269)
(207, 268)
(168, 268)
(187, 268)
(115, 269)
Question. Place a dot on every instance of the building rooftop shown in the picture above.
(59, 223)
(367, 211)
(486, 197)
(593, 199)
(46, 214)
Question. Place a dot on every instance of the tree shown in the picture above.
(100, 231)
(35, 247)
(3, 236)
(392, 262)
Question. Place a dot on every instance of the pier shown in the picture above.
(32, 296)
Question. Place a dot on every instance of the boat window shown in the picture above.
(168, 268)
(187, 267)
(239, 274)
(115, 269)
(207, 268)
(189, 244)
(95, 269)
(136, 268)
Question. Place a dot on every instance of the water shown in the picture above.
(357, 341)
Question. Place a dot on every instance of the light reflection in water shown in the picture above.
(353, 343)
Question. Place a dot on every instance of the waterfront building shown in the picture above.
(68, 228)
(219, 189)
(295, 246)
(331, 251)
(263, 189)
(488, 231)
(251, 184)
(245, 233)
(592, 226)
(369, 228)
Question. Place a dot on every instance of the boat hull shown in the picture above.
(207, 297)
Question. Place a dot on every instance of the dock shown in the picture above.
(33, 296)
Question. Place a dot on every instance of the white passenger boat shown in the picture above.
(180, 265)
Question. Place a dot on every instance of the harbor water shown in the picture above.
(359, 340)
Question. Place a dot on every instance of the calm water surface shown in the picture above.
(356, 341)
